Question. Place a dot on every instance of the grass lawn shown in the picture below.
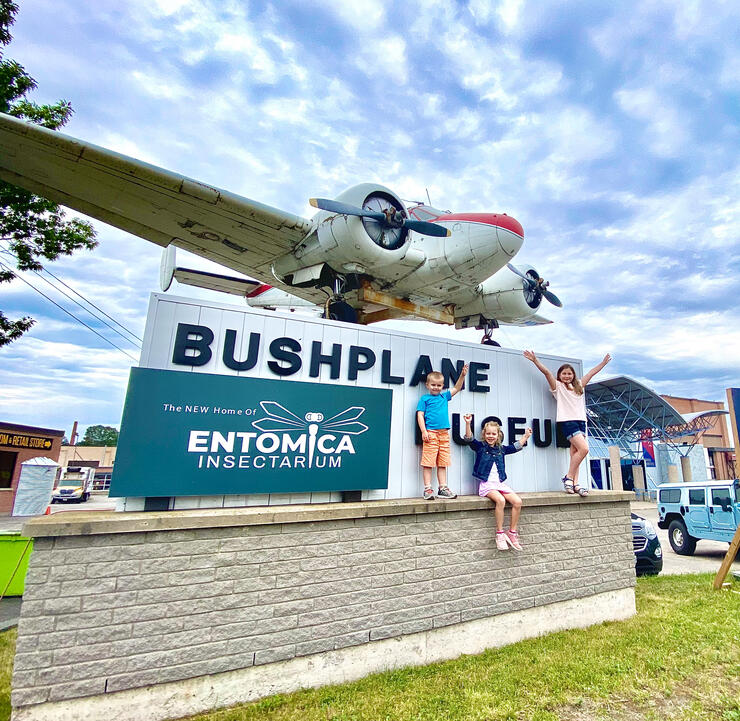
(678, 659)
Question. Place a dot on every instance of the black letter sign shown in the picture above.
(200, 343)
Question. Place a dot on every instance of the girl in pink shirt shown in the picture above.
(571, 413)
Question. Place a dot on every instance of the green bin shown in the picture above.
(13, 547)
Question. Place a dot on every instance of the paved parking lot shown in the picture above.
(706, 559)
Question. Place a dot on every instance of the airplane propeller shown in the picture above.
(536, 286)
(389, 217)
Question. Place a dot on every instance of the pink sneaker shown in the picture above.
(513, 539)
(501, 539)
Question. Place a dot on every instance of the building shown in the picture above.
(19, 444)
(716, 438)
(101, 458)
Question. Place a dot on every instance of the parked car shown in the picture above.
(698, 509)
(645, 543)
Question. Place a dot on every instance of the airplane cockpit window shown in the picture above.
(425, 212)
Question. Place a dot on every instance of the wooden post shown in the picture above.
(686, 469)
(727, 562)
(733, 417)
(638, 479)
(615, 464)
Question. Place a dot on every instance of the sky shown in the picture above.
(608, 129)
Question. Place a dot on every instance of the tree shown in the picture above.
(32, 228)
(99, 436)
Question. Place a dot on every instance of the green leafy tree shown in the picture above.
(99, 436)
(33, 229)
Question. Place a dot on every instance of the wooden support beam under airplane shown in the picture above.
(369, 295)
(378, 315)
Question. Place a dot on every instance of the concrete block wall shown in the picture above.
(108, 611)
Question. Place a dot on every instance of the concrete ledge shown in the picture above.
(88, 523)
(183, 698)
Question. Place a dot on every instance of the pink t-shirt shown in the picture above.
(571, 406)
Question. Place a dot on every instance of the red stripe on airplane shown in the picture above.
(498, 219)
(259, 290)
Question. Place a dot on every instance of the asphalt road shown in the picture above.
(96, 502)
(706, 559)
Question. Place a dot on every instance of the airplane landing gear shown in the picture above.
(336, 308)
(488, 328)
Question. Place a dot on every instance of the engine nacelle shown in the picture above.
(347, 243)
(503, 297)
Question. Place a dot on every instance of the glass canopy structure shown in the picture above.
(622, 412)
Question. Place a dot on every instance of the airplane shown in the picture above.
(365, 256)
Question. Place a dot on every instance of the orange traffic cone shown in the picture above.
(47, 512)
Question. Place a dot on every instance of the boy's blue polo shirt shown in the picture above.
(436, 416)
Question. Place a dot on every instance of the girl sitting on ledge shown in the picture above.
(489, 471)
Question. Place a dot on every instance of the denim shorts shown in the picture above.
(572, 428)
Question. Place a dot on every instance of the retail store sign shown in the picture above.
(21, 440)
(235, 435)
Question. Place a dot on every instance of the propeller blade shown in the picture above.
(425, 228)
(518, 272)
(552, 298)
(334, 206)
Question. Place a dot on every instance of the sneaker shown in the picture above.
(445, 492)
(428, 493)
(513, 538)
(501, 543)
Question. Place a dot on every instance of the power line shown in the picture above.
(66, 295)
(72, 315)
(89, 302)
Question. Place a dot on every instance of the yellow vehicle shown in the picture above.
(74, 485)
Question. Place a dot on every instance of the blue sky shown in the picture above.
(609, 130)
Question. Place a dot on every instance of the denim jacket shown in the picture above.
(486, 455)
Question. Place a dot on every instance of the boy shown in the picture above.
(434, 422)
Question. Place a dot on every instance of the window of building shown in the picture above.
(7, 466)
(101, 481)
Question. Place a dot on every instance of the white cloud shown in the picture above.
(665, 129)
(617, 154)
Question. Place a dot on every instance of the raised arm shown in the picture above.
(459, 383)
(529, 355)
(468, 418)
(587, 378)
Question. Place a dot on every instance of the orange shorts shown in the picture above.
(436, 451)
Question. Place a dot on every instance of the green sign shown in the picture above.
(187, 434)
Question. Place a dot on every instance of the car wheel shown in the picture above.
(678, 537)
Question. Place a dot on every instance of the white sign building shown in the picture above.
(196, 336)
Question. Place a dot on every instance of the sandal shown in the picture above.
(568, 485)
(582, 492)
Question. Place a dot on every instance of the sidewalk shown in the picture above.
(10, 523)
(10, 612)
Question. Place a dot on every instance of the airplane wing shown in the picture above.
(532, 320)
(152, 203)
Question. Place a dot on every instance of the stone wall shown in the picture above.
(112, 606)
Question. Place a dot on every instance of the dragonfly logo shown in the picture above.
(281, 439)
(278, 418)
